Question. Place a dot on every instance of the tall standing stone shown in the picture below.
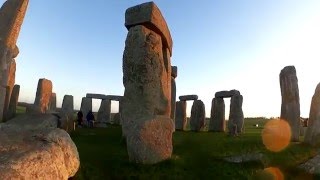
(66, 113)
(174, 71)
(217, 118)
(104, 113)
(146, 109)
(53, 102)
(12, 14)
(198, 116)
(290, 106)
(43, 95)
(86, 106)
(312, 136)
(13, 102)
(236, 117)
(10, 84)
(181, 115)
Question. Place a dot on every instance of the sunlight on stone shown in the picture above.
(275, 172)
(276, 135)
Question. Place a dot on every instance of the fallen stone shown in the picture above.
(32, 147)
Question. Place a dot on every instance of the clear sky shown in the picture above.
(217, 45)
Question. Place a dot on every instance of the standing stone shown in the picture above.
(53, 102)
(217, 118)
(173, 98)
(66, 113)
(12, 14)
(198, 116)
(10, 84)
(104, 113)
(312, 135)
(236, 117)
(86, 106)
(13, 102)
(43, 95)
(116, 119)
(146, 109)
(290, 106)
(181, 115)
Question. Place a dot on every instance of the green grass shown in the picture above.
(196, 155)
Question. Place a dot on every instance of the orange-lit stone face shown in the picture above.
(275, 172)
(276, 135)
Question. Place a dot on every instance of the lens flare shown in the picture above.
(275, 172)
(276, 135)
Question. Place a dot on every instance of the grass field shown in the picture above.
(195, 156)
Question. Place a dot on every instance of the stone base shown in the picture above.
(150, 141)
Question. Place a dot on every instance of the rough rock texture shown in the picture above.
(236, 117)
(43, 95)
(313, 130)
(104, 114)
(217, 118)
(66, 114)
(53, 102)
(149, 15)
(198, 116)
(188, 97)
(116, 119)
(312, 166)
(31, 147)
(3, 91)
(13, 102)
(146, 104)
(181, 115)
(174, 71)
(10, 84)
(86, 106)
(173, 99)
(223, 94)
(290, 106)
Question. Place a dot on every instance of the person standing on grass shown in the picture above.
(90, 118)
(80, 118)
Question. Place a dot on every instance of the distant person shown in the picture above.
(80, 118)
(90, 118)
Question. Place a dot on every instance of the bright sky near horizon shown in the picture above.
(217, 45)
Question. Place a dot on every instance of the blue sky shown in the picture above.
(217, 45)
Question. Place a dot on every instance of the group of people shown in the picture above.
(89, 117)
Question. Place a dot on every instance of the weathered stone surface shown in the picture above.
(149, 15)
(104, 113)
(223, 94)
(116, 118)
(173, 98)
(174, 71)
(198, 116)
(181, 115)
(31, 147)
(53, 102)
(152, 142)
(12, 14)
(188, 97)
(236, 117)
(217, 119)
(10, 84)
(290, 106)
(86, 106)
(66, 114)
(13, 102)
(313, 131)
(312, 166)
(43, 95)
(3, 92)
(146, 104)
(15, 52)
